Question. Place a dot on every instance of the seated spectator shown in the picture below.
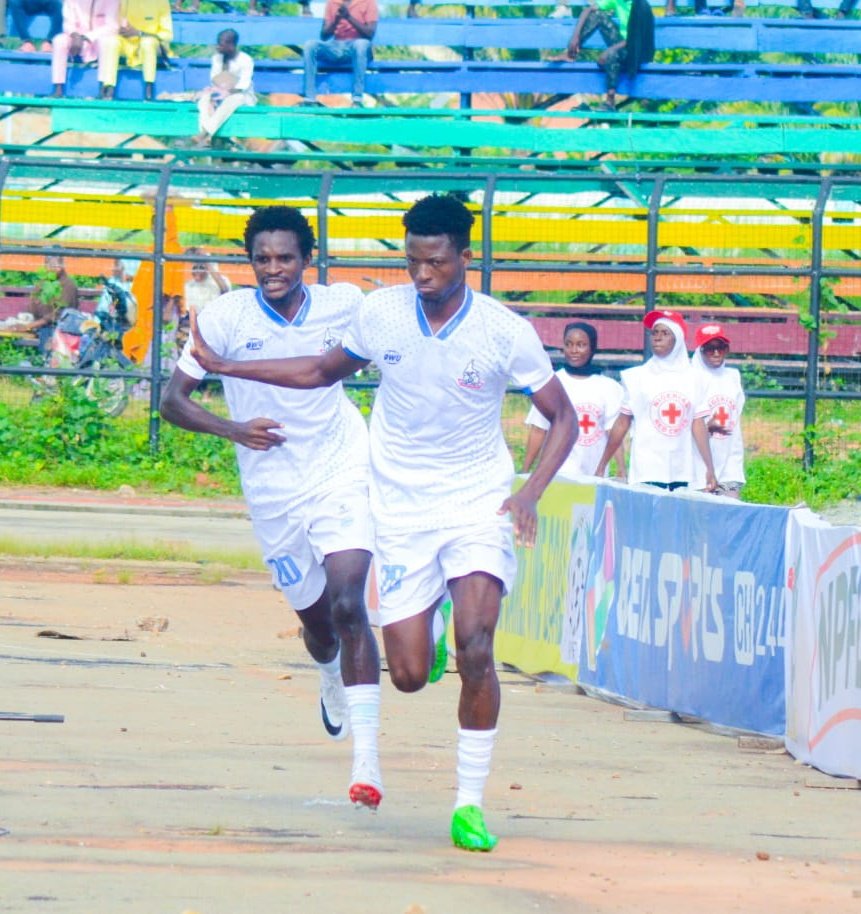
(630, 38)
(145, 33)
(53, 292)
(348, 27)
(806, 8)
(725, 398)
(701, 8)
(194, 6)
(23, 13)
(230, 86)
(85, 25)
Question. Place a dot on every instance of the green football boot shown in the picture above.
(469, 831)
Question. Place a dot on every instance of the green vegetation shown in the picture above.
(64, 440)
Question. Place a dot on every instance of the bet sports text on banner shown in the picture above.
(684, 606)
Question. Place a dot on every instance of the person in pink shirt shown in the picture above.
(345, 39)
(85, 24)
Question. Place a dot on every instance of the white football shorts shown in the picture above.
(413, 569)
(295, 543)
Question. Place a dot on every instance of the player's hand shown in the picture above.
(259, 434)
(711, 483)
(524, 516)
(206, 357)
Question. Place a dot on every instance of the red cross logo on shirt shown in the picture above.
(586, 423)
(722, 416)
(672, 412)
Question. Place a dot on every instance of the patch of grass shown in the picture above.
(216, 562)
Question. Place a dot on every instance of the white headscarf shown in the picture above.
(677, 358)
(699, 364)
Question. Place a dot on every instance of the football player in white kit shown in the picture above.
(303, 461)
(441, 473)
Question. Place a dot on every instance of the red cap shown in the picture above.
(674, 316)
(708, 332)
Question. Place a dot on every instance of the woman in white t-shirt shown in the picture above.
(665, 408)
(596, 400)
(725, 399)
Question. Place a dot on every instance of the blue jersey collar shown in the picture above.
(453, 322)
(301, 314)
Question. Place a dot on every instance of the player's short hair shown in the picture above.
(440, 214)
(280, 219)
(232, 34)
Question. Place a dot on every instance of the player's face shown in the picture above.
(278, 264)
(714, 352)
(437, 268)
(576, 348)
(663, 341)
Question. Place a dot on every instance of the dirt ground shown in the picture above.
(191, 774)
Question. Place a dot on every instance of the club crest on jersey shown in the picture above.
(471, 377)
(329, 341)
(391, 357)
(253, 344)
(670, 413)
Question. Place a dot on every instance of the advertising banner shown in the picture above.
(540, 623)
(684, 605)
(823, 660)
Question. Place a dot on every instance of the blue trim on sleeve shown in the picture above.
(353, 355)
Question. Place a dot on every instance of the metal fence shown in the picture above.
(754, 251)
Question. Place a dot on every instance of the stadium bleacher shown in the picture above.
(470, 71)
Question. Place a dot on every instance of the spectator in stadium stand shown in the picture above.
(725, 399)
(145, 33)
(230, 87)
(664, 406)
(85, 25)
(348, 27)
(701, 8)
(596, 400)
(51, 294)
(24, 11)
(628, 29)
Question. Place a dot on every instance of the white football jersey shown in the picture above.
(326, 438)
(438, 455)
(596, 399)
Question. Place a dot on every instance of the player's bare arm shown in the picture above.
(177, 407)
(553, 403)
(302, 373)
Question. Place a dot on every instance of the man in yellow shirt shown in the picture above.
(145, 32)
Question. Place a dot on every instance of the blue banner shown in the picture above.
(684, 606)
